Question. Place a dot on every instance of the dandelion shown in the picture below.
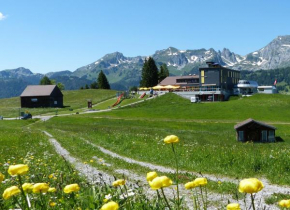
(233, 206)
(19, 169)
(71, 188)
(11, 191)
(110, 206)
(119, 182)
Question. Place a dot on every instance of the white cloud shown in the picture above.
(2, 17)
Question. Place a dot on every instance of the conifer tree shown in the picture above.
(102, 81)
(149, 73)
(45, 81)
(164, 72)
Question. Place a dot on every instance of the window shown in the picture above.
(202, 76)
(271, 136)
(241, 135)
(264, 135)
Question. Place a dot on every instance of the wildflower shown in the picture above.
(118, 182)
(71, 188)
(27, 187)
(11, 191)
(233, 206)
(251, 185)
(110, 206)
(19, 169)
(171, 139)
(52, 204)
(159, 182)
(51, 189)
(151, 175)
(51, 176)
(200, 182)
(189, 185)
(108, 196)
(91, 161)
(284, 203)
(40, 188)
(2, 177)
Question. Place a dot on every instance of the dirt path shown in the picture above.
(92, 174)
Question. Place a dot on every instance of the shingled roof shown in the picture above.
(250, 120)
(172, 79)
(38, 90)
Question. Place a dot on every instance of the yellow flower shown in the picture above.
(27, 187)
(51, 176)
(151, 175)
(1, 177)
(200, 182)
(118, 182)
(11, 191)
(159, 182)
(91, 161)
(166, 182)
(110, 206)
(71, 188)
(284, 203)
(171, 139)
(251, 185)
(19, 169)
(52, 204)
(51, 189)
(40, 188)
(189, 185)
(156, 183)
(233, 206)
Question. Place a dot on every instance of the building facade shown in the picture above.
(41, 96)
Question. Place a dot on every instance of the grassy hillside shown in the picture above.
(208, 138)
(73, 99)
(272, 108)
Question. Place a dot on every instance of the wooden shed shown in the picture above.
(252, 130)
(41, 96)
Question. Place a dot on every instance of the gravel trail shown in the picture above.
(92, 174)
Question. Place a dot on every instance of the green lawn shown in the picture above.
(74, 100)
(209, 143)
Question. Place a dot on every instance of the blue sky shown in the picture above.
(55, 35)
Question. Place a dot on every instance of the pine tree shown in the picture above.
(149, 73)
(45, 81)
(164, 72)
(102, 81)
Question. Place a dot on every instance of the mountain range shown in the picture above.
(123, 72)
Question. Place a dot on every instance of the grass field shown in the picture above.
(206, 131)
(74, 100)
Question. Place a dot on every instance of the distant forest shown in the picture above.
(268, 77)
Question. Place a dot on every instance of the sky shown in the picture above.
(54, 35)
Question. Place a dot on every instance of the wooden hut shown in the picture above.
(252, 130)
(41, 96)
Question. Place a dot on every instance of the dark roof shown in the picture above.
(250, 120)
(38, 90)
(172, 79)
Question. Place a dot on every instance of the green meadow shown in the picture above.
(207, 144)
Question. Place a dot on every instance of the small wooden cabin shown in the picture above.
(252, 130)
(41, 96)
